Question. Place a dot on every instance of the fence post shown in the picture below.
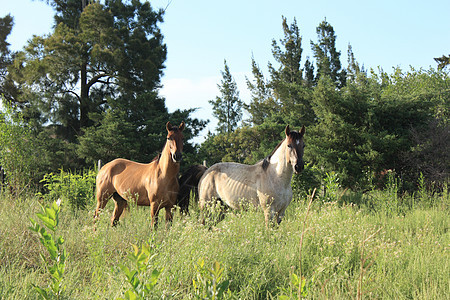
(99, 165)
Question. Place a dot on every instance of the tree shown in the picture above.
(289, 88)
(7, 89)
(94, 81)
(443, 61)
(95, 53)
(262, 104)
(309, 73)
(228, 107)
(290, 57)
(327, 57)
(19, 151)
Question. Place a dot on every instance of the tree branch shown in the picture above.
(72, 92)
(96, 79)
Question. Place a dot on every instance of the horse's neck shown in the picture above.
(280, 165)
(166, 164)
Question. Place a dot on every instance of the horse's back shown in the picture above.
(122, 176)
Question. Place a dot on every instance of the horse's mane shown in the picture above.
(157, 157)
(266, 160)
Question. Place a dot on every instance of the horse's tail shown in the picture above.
(189, 182)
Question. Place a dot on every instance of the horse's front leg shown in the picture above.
(171, 201)
(154, 211)
(169, 215)
(270, 216)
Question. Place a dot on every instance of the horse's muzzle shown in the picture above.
(177, 157)
(299, 167)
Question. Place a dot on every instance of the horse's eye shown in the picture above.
(170, 138)
(289, 146)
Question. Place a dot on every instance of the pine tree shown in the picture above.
(262, 104)
(289, 87)
(327, 57)
(309, 73)
(7, 88)
(6, 25)
(94, 81)
(290, 57)
(354, 71)
(227, 108)
(95, 53)
(443, 61)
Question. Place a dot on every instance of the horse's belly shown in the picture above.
(238, 195)
(132, 191)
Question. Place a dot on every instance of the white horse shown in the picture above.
(266, 184)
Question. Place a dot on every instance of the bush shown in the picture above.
(75, 188)
(19, 152)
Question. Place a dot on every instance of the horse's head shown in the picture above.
(295, 145)
(175, 141)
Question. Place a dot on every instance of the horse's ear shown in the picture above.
(302, 131)
(168, 126)
(181, 127)
(287, 130)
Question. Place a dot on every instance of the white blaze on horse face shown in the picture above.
(175, 140)
(295, 152)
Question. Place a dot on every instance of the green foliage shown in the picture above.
(305, 182)
(227, 108)
(298, 287)
(142, 283)
(332, 187)
(19, 150)
(209, 282)
(75, 188)
(7, 90)
(262, 103)
(443, 61)
(328, 58)
(357, 123)
(288, 88)
(90, 88)
(55, 265)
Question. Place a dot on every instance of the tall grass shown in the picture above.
(408, 258)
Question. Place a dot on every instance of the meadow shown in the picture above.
(361, 246)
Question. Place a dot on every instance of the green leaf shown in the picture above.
(41, 292)
(130, 295)
(48, 222)
(222, 287)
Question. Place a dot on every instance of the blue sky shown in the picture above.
(200, 34)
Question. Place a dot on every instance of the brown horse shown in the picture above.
(154, 184)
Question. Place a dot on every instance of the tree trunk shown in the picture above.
(84, 99)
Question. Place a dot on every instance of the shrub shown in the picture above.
(19, 152)
(76, 188)
(55, 265)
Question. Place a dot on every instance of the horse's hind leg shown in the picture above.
(120, 205)
(102, 200)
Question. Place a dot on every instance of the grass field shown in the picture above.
(384, 248)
